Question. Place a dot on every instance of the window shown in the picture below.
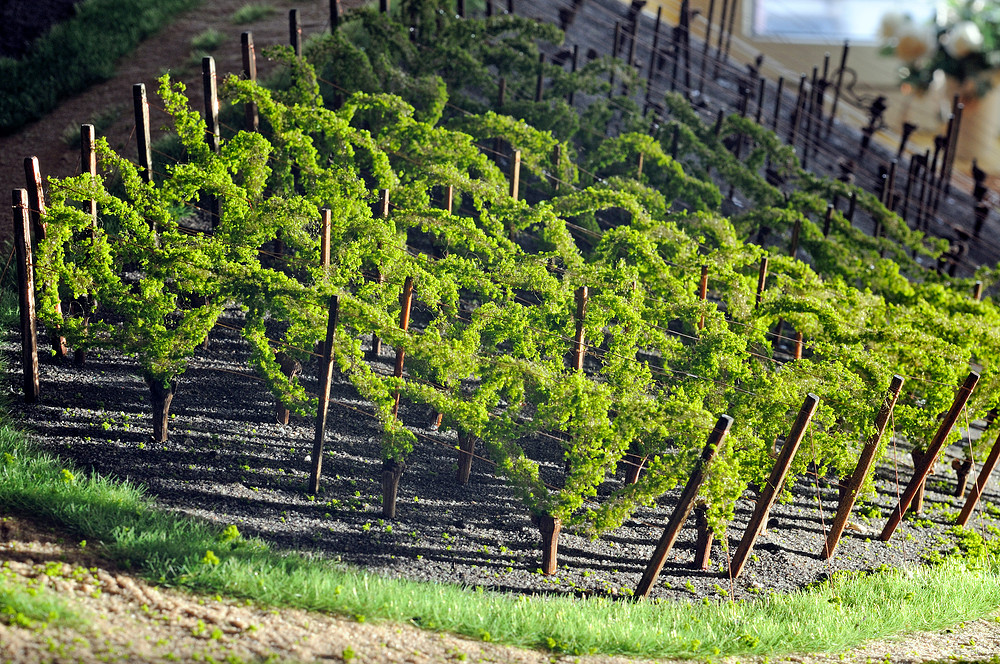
(829, 20)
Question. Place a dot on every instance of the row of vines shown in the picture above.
(592, 311)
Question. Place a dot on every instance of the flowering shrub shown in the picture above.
(963, 43)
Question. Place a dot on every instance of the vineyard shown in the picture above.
(561, 294)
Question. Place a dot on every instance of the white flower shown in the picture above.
(962, 39)
(892, 23)
(915, 41)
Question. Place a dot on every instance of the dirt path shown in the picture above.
(126, 619)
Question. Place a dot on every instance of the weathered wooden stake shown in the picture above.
(865, 462)
(213, 134)
(703, 293)
(88, 164)
(774, 483)
(391, 472)
(923, 469)
(405, 304)
(36, 210)
(540, 80)
(251, 119)
(574, 63)
(977, 291)
(460, 8)
(383, 6)
(325, 381)
(381, 212)
(799, 344)
(336, 12)
(793, 246)
(295, 32)
(837, 87)
(326, 221)
(828, 219)
(26, 294)
(761, 278)
(578, 340)
(515, 174)
(977, 488)
(140, 104)
(683, 508)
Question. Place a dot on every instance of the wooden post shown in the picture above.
(210, 86)
(793, 247)
(405, 304)
(251, 119)
(501, 92)
(614, 55)
(336, 12)
(683, 508)
(923, 469)
(460, 8)
(837, 87)
(326, 217)
(852, 205)
(140, 104)
(515, 174)
(977, 488)
(774, 483)
(777, 104)
(383, 6)
(36, 209)
(827, 220)
(797, 114)
(574, 63)
(977, 291)
(865, 462)
(798, 346)
(638, 170)
(88, 164)
(325, 380)
(382, 212)
(761, 278)
(539, 81)
(705, 46)
(489, 9)
(295, 32)
(26, 294)
(581, 311)
(703, 293)
(213, 135)
(466, 447)
(449, 198)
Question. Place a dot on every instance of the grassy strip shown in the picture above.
(31, 607)
(78, 53)
(175, 550)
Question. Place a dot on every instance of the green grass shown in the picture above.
(207, 40)
(78, 53)
(101, 121)
(252, 12)
(173, 550)
(31, 607)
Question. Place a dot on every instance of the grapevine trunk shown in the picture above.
(161, 393)
(549, 527)
(391, 472)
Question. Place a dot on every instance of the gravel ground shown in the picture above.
(230, 462)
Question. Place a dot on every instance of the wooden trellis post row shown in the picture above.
(923, 468)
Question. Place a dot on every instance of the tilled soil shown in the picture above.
(229, 461)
